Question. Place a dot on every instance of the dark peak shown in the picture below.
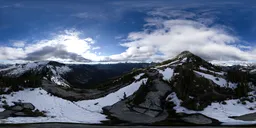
(185, 54)
(55, 63)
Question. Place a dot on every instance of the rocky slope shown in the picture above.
(65, 75)
(185, 90)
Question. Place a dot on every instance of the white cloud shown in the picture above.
(96, 48)
(66, 46)
(176, 36)
(9, 53)
(19, 44)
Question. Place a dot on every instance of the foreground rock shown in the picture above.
(6, 114)
(20, 110)
(197, 119)
(247, 117)
(146, 105)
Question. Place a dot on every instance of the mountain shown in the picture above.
(66, 75)
(185, 90)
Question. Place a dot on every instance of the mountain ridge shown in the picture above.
(185, 90)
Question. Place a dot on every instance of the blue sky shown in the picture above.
(126, 30)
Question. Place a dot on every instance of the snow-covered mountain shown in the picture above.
(183, 90)
(66, 75)
(48, 69)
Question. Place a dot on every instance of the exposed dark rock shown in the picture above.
(17, 108)
(197, 119)
(145, 106)
(28, 106)
(247, 117)
(20, 114)
(6, 114)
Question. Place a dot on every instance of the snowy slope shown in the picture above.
(60, 110)
(37, 68)
(218, 111)
(167, 73)
(217, 80)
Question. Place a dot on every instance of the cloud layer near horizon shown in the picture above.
(174, 36)
(167, 32)
(169, 38)
(67, 46)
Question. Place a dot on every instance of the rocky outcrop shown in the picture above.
(146, 105)
(197, 119)
(17, 108)
(20, 110)
(247, 117)
(6, 114)
(28, 106)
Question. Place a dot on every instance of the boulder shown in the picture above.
(6, 114)
(28, 106)
(197, 119)
(17, 108)
(20, 114)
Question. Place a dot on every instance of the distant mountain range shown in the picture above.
(185, 90)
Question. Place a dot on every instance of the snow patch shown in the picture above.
(167, 73)
(97, 104)
(61, 110)
(204, 69)
(184, 60)
(217, 110)
(217, 80)
(63, 70)
(165, 65)
(138, 76)
(21, 69)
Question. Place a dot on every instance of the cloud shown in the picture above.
(65, 46)
(175, 36)
(96, 48)
(54, 52)
(18, 44)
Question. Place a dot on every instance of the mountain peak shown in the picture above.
(185, 54)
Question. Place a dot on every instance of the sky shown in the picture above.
(126, 30)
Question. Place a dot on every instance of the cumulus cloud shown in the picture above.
(18, 44)
(175, 36)
(66, 46)
(54, 52)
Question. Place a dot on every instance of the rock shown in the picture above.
(145, 106)
(28, 106)
(197, 119)
(16, 108)
(246, 117)
(120, 111)
(20, 114)
(6, 114)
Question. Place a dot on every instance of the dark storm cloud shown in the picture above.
(57, 52)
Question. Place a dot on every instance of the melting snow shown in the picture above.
(167, 73)
(221, 82)
(56, 78)
(184, 60)
(61, 110)
(165, 65)
(138, 76)
(21, 69)
(253, 71)
(218, 111)
(112, 98)
(63, 69)
(204, 69)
